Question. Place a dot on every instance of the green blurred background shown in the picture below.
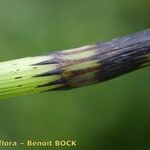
(112, 115)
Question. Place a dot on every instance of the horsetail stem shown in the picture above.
(74, 68)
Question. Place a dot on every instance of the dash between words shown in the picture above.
(33, 143)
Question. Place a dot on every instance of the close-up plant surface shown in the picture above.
(110, 115)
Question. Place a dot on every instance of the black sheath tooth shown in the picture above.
(53, 72)
(46, 62)
(59, 81)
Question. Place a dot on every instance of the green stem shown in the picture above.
(75, 67)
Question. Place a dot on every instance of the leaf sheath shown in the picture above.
(74, 68)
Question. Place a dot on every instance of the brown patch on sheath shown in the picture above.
(81, 72)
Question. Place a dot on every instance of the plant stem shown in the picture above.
(74, 68)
